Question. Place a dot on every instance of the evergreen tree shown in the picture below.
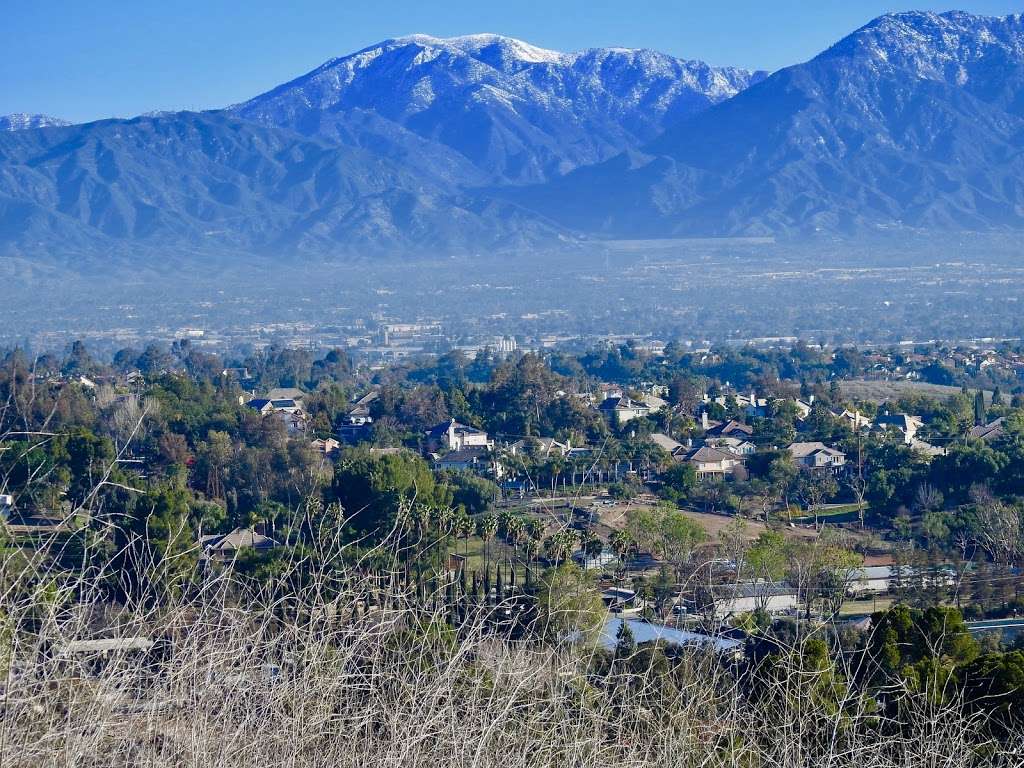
(625, 642)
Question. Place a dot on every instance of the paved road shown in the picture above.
(1010, 625)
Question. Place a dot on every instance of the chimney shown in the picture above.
(704, 420)
(810, 400)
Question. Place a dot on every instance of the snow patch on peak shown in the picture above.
(20, 121)
(473, 45)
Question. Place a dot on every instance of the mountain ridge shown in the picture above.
(856, 139)
(23, 121)
(487, 143)
(514, 112)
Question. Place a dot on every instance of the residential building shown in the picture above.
(665, 442)
(854, 420)
(988, 432)
(265, 405)
(733, 599)
(328, 447)
(905, 424)
(817, 456)
(804, 407)
(879, 579)
(287, 393)
(359, 414)
(654, 403)
(224, 547)
(607, 559)
(618, 597)
(732, 445)
(453, 436)
(476, 459)
(622, 410)
(926, 449)
(712, 463)
(731, 428)
(646, 632)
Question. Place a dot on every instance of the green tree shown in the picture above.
(373, 489)
(568, 602)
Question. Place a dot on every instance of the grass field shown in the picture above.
(878, 391)
(838, 513)
(863, 607)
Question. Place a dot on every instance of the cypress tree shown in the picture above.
(625, 642)
(979, 407)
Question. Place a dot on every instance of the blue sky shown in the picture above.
(87, 60)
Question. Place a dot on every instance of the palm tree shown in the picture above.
(621, 543)
(592, 545)
(559, 545)
(486, 528)
(444, 520)
(534, 531)
(464, 527)
(515, 529)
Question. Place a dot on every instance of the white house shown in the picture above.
(455, 436)
(879, 579)
(359, 414)
(265, 405)
(621, 410)
(817, 456)
(745, 597)
(732, 445)
(905, 424)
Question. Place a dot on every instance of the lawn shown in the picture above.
(853, 608)
(838, 513)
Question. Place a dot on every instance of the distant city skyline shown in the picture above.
(114, 58)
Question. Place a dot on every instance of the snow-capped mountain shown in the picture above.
(19, 121)
(479, 143)
(959, 49)
(510, 110)
(915, 120)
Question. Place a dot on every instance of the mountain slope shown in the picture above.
(210, 182)
(494, 108)
(20, 121)
(914, 120)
